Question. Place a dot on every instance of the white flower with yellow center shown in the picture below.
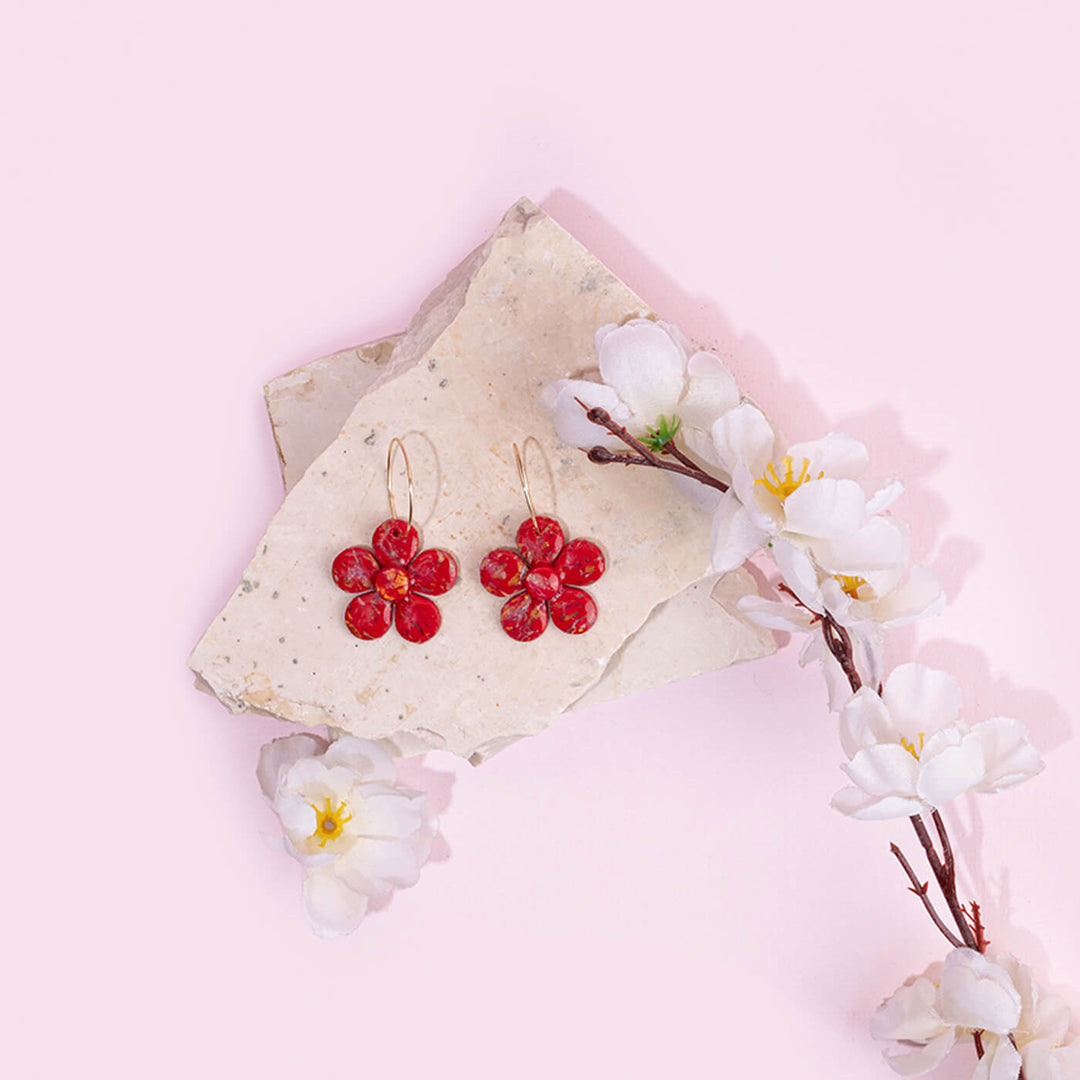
(358, 834)
(808, 492)
(927, 1015)
(649, 374)
(863, 580)
(909, 751)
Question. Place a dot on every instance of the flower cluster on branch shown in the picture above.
(843, 576)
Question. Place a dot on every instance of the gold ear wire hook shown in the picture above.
(519, 457)
(389, 478)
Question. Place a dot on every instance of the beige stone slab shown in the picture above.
(698, 630)
(517, 313)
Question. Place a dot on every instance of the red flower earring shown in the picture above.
(395, 583)
(540, 578)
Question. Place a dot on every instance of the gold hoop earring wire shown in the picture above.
(523, 476)
(389, 479)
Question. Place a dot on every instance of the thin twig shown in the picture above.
(642, 454)
(981, 940)
(947, 886)
(838, 642)
(920, 889)
(678, 455)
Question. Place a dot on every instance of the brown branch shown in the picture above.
(946, 880)
(642, 455)
(920, 889)
(838, 642)
(678, 455)
(981, 940)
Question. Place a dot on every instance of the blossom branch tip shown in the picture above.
(921, 890)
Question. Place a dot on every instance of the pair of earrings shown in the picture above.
(394, 581)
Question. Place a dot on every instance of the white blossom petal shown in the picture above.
(882, 543)
(798, 572)
(389, 812)
(735, 536)
(1010, 757)
(775, 615)
(837, 455)
(856, 803)
(743, 435)
(885, 769)
(884, 496)
(374, 866)
(369, 761)
(865, 722)
(921, 699)
(1000, 1061)
(571, 424)
(952, 770)
(920, 597)
(331, 906)
(277, 757)
(710, 392)
(645, 367)
(828, 508)
(922, 1059)
(977, 993)
(910, 1014)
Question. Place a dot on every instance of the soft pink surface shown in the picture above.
(871, 210)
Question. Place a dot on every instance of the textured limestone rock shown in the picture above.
(459, 387)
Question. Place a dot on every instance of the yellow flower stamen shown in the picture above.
(783, 486)
(331, 822)
(850, 584)
(910, 747)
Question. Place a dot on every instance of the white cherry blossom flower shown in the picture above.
(344, 818)
(648, 371)
(928, 1014)
(909, 751)
(808, 491)
(863, 580)
(1039, 1035)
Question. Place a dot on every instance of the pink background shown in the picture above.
(871, 210)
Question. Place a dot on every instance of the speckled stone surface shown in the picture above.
(459, 387)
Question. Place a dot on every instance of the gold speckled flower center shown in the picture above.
(910, 746)
(782, 485)
(331, 822)
(850, 584)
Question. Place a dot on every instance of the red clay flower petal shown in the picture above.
(542, 583)
(573, 611)
(392, 583)
(502, 572)
(417, 618)
(540, 543)
(524, 618)
(433, 572)
(581, 562)
(354, 570)
(368, 616)
(395, 542)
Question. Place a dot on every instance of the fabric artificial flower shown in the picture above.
(357, 834)
(1039, 1035)
(909, 751)
(649, 374)
(949, 1000)
(808, 492)
(864, 580)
